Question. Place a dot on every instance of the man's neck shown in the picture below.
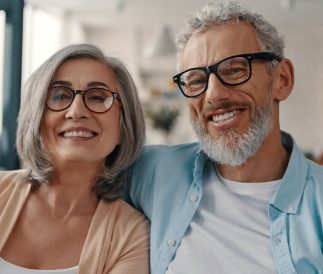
(268, 164)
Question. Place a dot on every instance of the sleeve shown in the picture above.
(134, 256)
(139, 190)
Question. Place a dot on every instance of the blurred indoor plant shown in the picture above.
(162, 117)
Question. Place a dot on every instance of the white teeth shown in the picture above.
(83, 134)
(224, 116)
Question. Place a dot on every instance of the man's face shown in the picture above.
(231, 121)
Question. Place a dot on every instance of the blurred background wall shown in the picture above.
(142, 33)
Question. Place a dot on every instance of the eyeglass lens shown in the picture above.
(95, 99)
(232, 71)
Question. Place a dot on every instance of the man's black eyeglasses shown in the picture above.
(231, 71)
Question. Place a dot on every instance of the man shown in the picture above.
(244, 199)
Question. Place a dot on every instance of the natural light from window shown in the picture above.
(44, 33)
(42, 37)
(2, 30)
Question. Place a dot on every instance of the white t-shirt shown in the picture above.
(230, 230)
(9, 268)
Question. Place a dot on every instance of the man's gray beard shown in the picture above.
(233, 148)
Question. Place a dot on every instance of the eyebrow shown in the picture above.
(89, 85)
(59, 82)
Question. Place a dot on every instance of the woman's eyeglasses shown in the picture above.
(98, 100)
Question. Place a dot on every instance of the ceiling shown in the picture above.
(147, 13)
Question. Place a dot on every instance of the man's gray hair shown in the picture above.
(29, 142)
(224, 13)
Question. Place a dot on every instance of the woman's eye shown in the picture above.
(97, 98)
(60, 94)
(58, 97)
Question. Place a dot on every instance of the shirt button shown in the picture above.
(278, 241)
(291, 208)
(194, 198)
(171, 243)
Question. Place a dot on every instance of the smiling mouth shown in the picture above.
(222, 118)
(79, 134)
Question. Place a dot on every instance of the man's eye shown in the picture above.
(197, 81)
(192, 79)
(234, 71)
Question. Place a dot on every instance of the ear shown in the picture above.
(283, 80)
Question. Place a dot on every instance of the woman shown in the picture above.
(79, 129)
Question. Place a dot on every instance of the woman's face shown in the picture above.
(77, 135)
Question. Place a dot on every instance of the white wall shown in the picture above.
(121, 43)
(302, 113)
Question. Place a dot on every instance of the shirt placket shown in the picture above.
(279, 245)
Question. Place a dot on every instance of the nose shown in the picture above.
(77, 109)
(216, 91)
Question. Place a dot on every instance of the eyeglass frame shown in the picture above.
(115, 96)
(267, 56)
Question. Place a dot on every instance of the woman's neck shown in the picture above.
(70, 191)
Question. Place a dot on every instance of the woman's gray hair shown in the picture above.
(30, 146)
(224, 13)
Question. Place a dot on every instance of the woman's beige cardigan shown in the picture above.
(117, 240)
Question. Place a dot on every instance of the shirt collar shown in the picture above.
(200, 162)
(288, 195)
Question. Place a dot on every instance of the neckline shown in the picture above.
(29, 270)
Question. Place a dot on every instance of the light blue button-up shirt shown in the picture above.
(166, 184)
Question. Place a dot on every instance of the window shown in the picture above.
(42, 37)
(44, 33)
(2, 32)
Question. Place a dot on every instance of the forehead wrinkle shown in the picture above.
(96, 84)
